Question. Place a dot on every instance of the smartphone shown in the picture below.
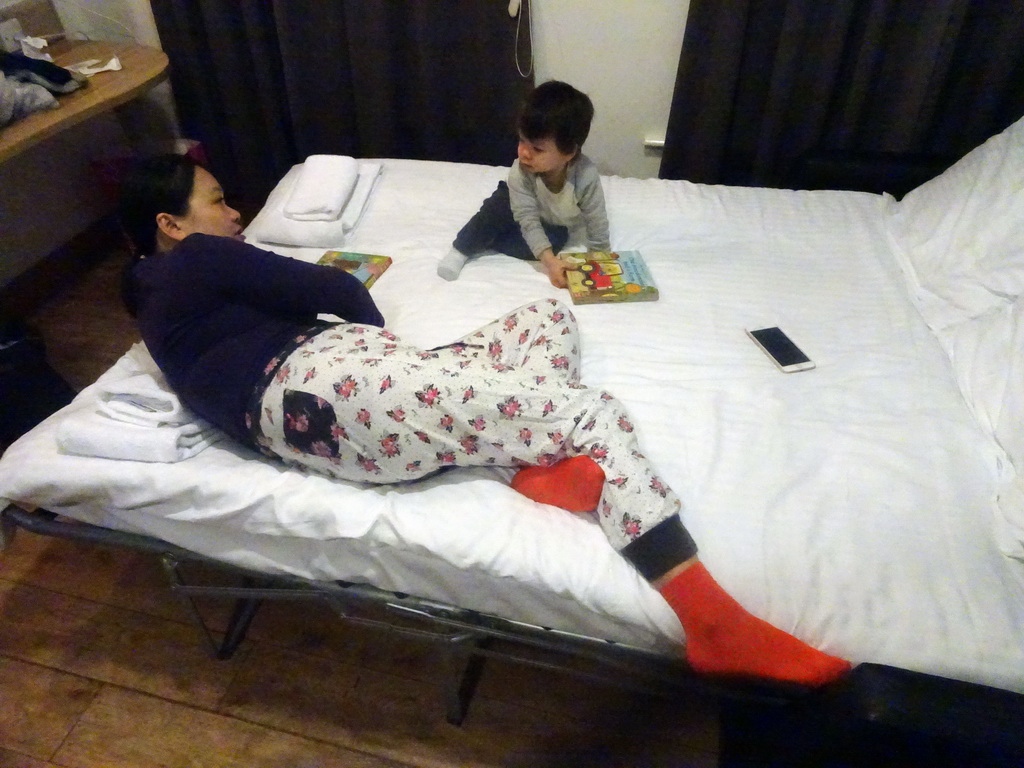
(786, 355)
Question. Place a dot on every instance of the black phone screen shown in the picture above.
(779, 346)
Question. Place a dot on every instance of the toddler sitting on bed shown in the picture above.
(551, 188)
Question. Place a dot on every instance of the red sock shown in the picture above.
(722, 638)
(574, 484)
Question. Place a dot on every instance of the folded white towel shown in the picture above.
(368, 175)
(323, 188)
(144, 400)
(94, 434)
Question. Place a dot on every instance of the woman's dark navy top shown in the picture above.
(215, 311)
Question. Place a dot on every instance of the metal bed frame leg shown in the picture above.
(463, 666)
(241, 616)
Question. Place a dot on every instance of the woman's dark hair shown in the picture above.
(154, 185)
(558, 111)
(158, 184)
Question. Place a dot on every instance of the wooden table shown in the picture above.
(141, 69)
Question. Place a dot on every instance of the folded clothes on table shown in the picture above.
(18, 99)
(54, 78)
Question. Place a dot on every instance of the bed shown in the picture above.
(873, 506)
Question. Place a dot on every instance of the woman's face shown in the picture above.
(208, 213)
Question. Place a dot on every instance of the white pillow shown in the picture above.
(962, 233)
(271, 225)
(987, 353)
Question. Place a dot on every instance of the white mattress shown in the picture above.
(851, 505)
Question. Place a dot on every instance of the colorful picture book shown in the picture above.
(367, 267)
(605, 278)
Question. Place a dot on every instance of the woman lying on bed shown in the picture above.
(234, 329)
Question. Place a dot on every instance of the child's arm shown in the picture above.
(590, 199)
(522, 198)
(526, 212)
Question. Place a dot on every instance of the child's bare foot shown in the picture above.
(723, 639)
(555, 269)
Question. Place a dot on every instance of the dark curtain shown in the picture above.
(763, 84)
(264, 83)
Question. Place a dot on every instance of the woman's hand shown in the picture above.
(554, 268)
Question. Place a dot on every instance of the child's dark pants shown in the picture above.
(493, 228)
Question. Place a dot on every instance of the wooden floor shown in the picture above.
(101, 667)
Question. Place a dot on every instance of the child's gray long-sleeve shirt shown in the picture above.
(530, 208)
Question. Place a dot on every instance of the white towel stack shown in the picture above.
(317, 203)
(323, 189)
(138, 419)
(368, 173)
(144, 400)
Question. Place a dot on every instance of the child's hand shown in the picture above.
(555, 268)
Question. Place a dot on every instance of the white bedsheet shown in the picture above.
(851, 505)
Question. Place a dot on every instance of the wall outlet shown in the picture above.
(10, 35)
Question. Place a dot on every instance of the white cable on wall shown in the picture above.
(523, 8)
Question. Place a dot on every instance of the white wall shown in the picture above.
(109, 20)
(624, 55)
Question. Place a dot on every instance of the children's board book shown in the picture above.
(365, 266)
(609, 277)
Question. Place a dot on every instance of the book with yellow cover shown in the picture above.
(367, 267)
(609, 277)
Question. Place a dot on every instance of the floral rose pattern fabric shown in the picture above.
(355, 402)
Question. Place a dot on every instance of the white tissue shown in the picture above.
(90, 68)
(33, 48)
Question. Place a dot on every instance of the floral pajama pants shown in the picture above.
(354, 402)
